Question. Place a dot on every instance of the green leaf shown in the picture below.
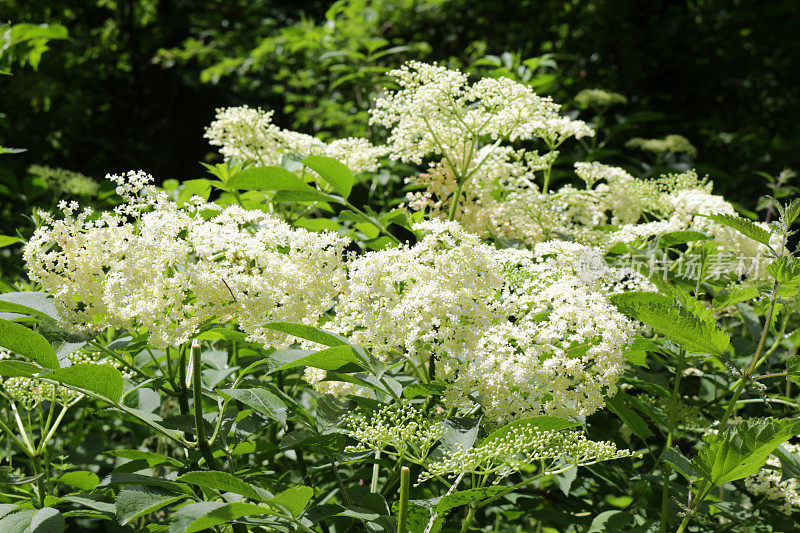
(785, 269)
(152, 459)
(294, 499)
(742, 450)
(138, 501)
(27, 343)
(790, 463)
(260, 400)
(415, 390)
(80, 479)
(746, 227)
(332, 171)
(149, 481)
(309, 333)
(47, 520)
(459, 433)
(104, 380)
(691, 329)
(735, 295)
(328, 359)
(17, 369)
(674, 457)
(6, 240)
(203, 515)
(267, 179)
(543, 423)
(674, 238)
(311, 195)
(618, 404)
(793, 369)
(792, 211)
(224, 482)
(465, 497)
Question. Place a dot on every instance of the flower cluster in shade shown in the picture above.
(171, 269)
(31, 391)
(771, 483)
(526, 332)
(248, 135)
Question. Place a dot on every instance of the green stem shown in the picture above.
(468, 519)
(454, 202)
(199, 422)
(666, 470)
(402, 514)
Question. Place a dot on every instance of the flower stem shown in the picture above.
(199, 422)
(469, 517)
(402, 514)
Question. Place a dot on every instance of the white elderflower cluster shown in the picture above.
(768, 482)
(401, 427)
(30, 392)
(523, 445)
(436, 111)
(171, 269)
(528, 332)
(249, 135)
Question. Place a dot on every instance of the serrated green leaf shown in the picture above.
(17, 369)
(294, 499)
(267, 179)
(618, 404)
(27, 343)
(313, 195)
(790, 463)
(674, 457)
(47, 520)
(203, 515)
(104, 380)
(224, 482)
(80, 479)
(746, 227)
(331, 358)
(735, 295)
(785, 269)
(465, 497)
(260, 400)
(542, 423)
(415, 390)
(337, 174)
(674, 238)
(134, 502)
(693, 329)
(152, 459)
(742, 450)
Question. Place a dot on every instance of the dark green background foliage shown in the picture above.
(138, 80)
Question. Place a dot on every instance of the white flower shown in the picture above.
(521, 329)
(249, 134)
(173, 269)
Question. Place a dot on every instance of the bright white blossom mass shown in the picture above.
(172, 269)
(248, 134)
(530, 332)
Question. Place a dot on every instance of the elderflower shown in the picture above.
(669, 145)
(249, 134)
(769, 482)
(530, 334)
(522, 445)
(436, 111)
(30, 392)
(172, 269)
(599, 98)
(400, 426)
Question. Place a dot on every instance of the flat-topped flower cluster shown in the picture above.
(173, 268)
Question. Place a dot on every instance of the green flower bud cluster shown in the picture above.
(523, 445)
